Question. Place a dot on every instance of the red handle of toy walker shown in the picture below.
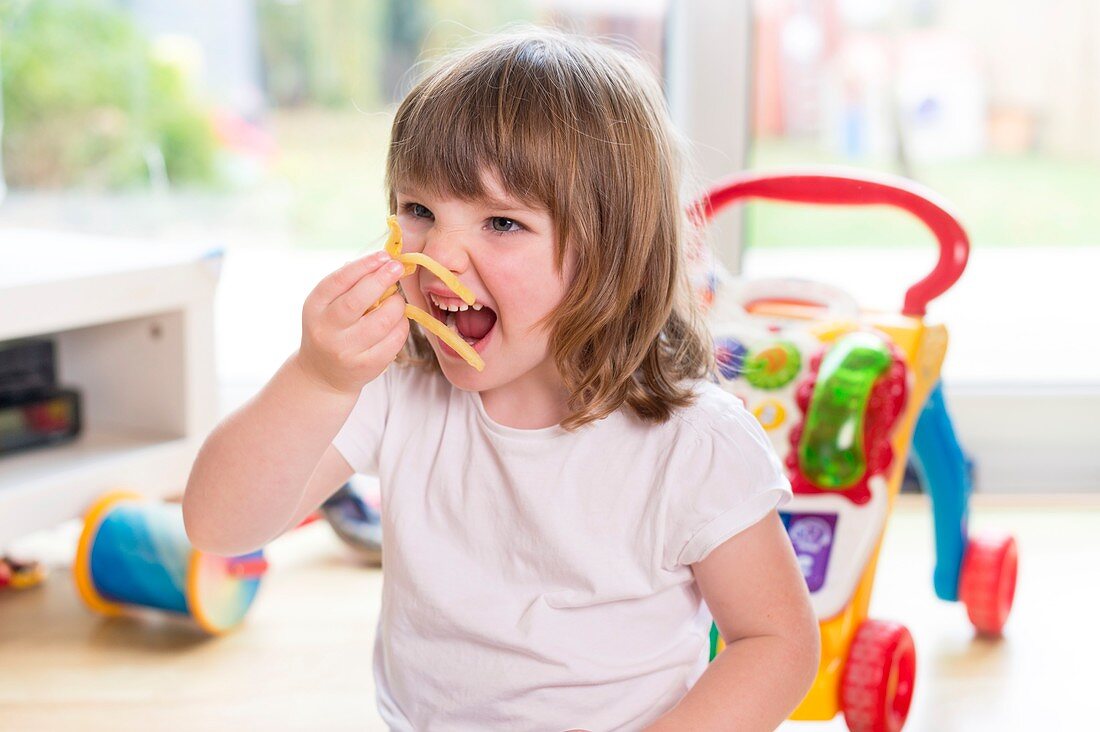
(846, 188)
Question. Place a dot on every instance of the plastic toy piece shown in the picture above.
(877, 686)
(356, 522)
(852, 400)
(729, 355)
(134, 553)
(246, 567)
(717, 645)
(770, 413)
(945, 476)
(829, 187)
(20, 575)
(987, 586)
(831, 452)
(412, 261)
(773, 366)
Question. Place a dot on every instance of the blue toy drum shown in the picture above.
(134, 553)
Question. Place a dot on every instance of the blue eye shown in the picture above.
(503, 225)
(418, 210)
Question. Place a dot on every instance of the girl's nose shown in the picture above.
(448, 247)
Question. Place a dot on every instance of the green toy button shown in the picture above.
(773, 366)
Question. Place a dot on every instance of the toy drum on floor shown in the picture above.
(134, 553)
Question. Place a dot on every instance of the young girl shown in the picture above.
(560, 527)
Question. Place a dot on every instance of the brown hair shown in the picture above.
(580, 129)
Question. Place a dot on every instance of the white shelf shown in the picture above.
(40, 488)
(132, 324)
(53, 282)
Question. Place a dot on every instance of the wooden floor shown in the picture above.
(302, 659)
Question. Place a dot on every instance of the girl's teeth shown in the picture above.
(450, 323)
(453, 307)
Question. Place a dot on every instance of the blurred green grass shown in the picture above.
(1025, 200)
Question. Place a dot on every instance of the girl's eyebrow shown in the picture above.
(508, 204)
(503, 205)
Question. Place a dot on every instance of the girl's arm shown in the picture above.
(251, 472)
(757, 595)
(259, 468)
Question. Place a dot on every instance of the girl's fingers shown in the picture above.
(343, 279)
(373, 328)
(390, 344)
(350, 307)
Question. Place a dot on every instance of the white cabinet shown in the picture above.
(133, 325)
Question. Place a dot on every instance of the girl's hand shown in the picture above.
(343, 349)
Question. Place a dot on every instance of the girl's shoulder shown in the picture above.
(713, 412)
(721, 476)
(714, 428)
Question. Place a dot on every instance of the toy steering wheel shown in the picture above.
(840, 186)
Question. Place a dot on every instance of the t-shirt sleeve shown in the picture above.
(723, 480)
(360, 439)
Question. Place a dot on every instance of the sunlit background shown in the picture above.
(259, 121)
(268, 119)
(260, 126)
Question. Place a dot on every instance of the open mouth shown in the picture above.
(471, 323)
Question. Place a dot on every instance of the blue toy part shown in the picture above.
(134, 553)
(945, 474)
(356, 522)
(730, 354)
(141, 558)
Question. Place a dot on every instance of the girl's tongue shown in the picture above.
(475, 323)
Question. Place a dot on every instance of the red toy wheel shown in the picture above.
(987, 584)
(877, 685)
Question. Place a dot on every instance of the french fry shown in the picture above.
(411, 261)
(471, 356)
(389, 291)
(415, 258)
(394, 241)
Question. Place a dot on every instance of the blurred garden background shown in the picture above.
(259, 127)
(264, 120)
(268, 119)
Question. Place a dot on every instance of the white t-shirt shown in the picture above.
(541, 579)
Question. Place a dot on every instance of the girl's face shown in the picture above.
(503, 250)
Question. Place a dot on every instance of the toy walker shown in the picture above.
(842, 393)
(134, 553)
